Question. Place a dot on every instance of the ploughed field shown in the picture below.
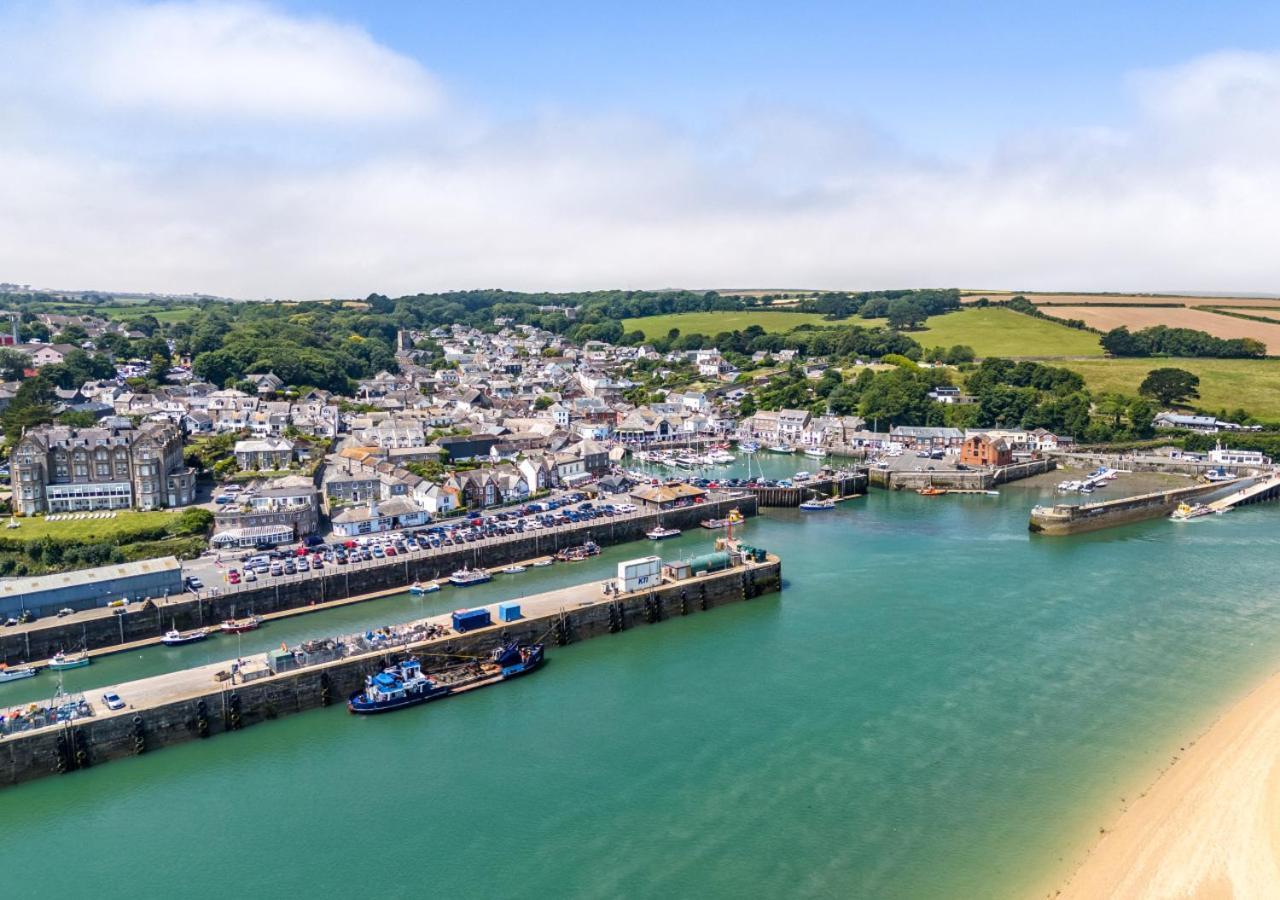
(1135, 318)
(1121, 299)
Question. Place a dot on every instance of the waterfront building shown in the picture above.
(56, 469)
(986, 450)
(375, 517)
(87, 588)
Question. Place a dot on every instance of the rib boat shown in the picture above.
(405, 684)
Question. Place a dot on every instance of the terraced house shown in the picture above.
(60, 469)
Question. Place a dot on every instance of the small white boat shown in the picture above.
(748, 446)
(817, 505)
(419, 588)
(16, 673)
(780, 448)
(815, 452)
(513, 570)
(543, 563)
(658, 533)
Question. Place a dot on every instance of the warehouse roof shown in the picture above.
(83, 577)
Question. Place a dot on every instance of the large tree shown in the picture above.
(1170, 386)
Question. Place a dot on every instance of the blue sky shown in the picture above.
(932, 74)
(258, 148)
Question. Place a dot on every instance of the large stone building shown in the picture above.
(60, 469)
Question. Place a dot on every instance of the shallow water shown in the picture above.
(938, 704)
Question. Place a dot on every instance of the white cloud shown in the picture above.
(208, 60)
(1185, 196)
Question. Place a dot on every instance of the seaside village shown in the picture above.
(499, 420)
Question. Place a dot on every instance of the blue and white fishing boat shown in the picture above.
(465, 577)
(405, 684)
(62, 661)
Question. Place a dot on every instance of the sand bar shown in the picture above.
(1210, 825)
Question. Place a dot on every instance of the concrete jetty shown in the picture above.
(205, 701)
(1068, 518)
(144, 622)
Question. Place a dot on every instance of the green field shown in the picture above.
(1250, 384)
(125, 526)
(712, 323)
(176, 314)
(1003, 332)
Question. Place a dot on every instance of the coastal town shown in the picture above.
(784, 451)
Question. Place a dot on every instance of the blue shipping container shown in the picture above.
(470, 619)
(508, 612)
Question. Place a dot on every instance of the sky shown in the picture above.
(317, 149)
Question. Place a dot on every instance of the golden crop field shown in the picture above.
(1138, 317)
(1122, 299)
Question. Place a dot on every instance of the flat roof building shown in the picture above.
(88, 588)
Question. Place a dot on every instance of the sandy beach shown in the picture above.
(1209, 827)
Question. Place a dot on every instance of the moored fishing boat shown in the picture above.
(578, 553)
(780, 448)
(419, 588)
(61, 661)
(16, 673)
(815, 452)
(465, 577)
(713, 524)
(658, 533)
(748, 446)
(543, 562)
(406, 684)
(239, 626)
(931, 491)
(513, 570)
(818, 504)
(175, 638)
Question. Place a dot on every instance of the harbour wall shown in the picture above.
(101, 629)
(842, 485)
(92, 741)
(1152, 463)
(973, 480)
(1066, 518)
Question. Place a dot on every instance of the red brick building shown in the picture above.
(980, 450)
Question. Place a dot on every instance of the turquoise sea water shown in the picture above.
(938, 704)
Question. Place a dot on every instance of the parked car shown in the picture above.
(194, 583)
(113, 701)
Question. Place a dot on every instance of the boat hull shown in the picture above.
(17, 675)
(358, 705)
(73, 664)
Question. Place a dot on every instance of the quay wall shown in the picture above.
(975, 480)
(148, 621)
(1065, 518)
(794, 496)
(1152, 463)
(93, 741)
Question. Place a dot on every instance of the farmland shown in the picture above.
(1003, 332)
(1121, 299)
(712, 323)
(1251, 384)
(1138, 317)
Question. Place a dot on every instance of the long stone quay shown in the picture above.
(210, 700)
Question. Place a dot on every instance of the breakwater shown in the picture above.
(147, 621)
(839, 485)
(201, 703)
(1067, 518)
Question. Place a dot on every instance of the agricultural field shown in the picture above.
(1251, 384)
(1136, 318)
(1003, 332)
(1121, 299)
(712, 323)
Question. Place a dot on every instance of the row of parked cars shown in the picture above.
(314, 554)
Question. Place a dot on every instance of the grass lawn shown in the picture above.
(126, 524)
(1251, 384)
(712, 323)
(1003, 332)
